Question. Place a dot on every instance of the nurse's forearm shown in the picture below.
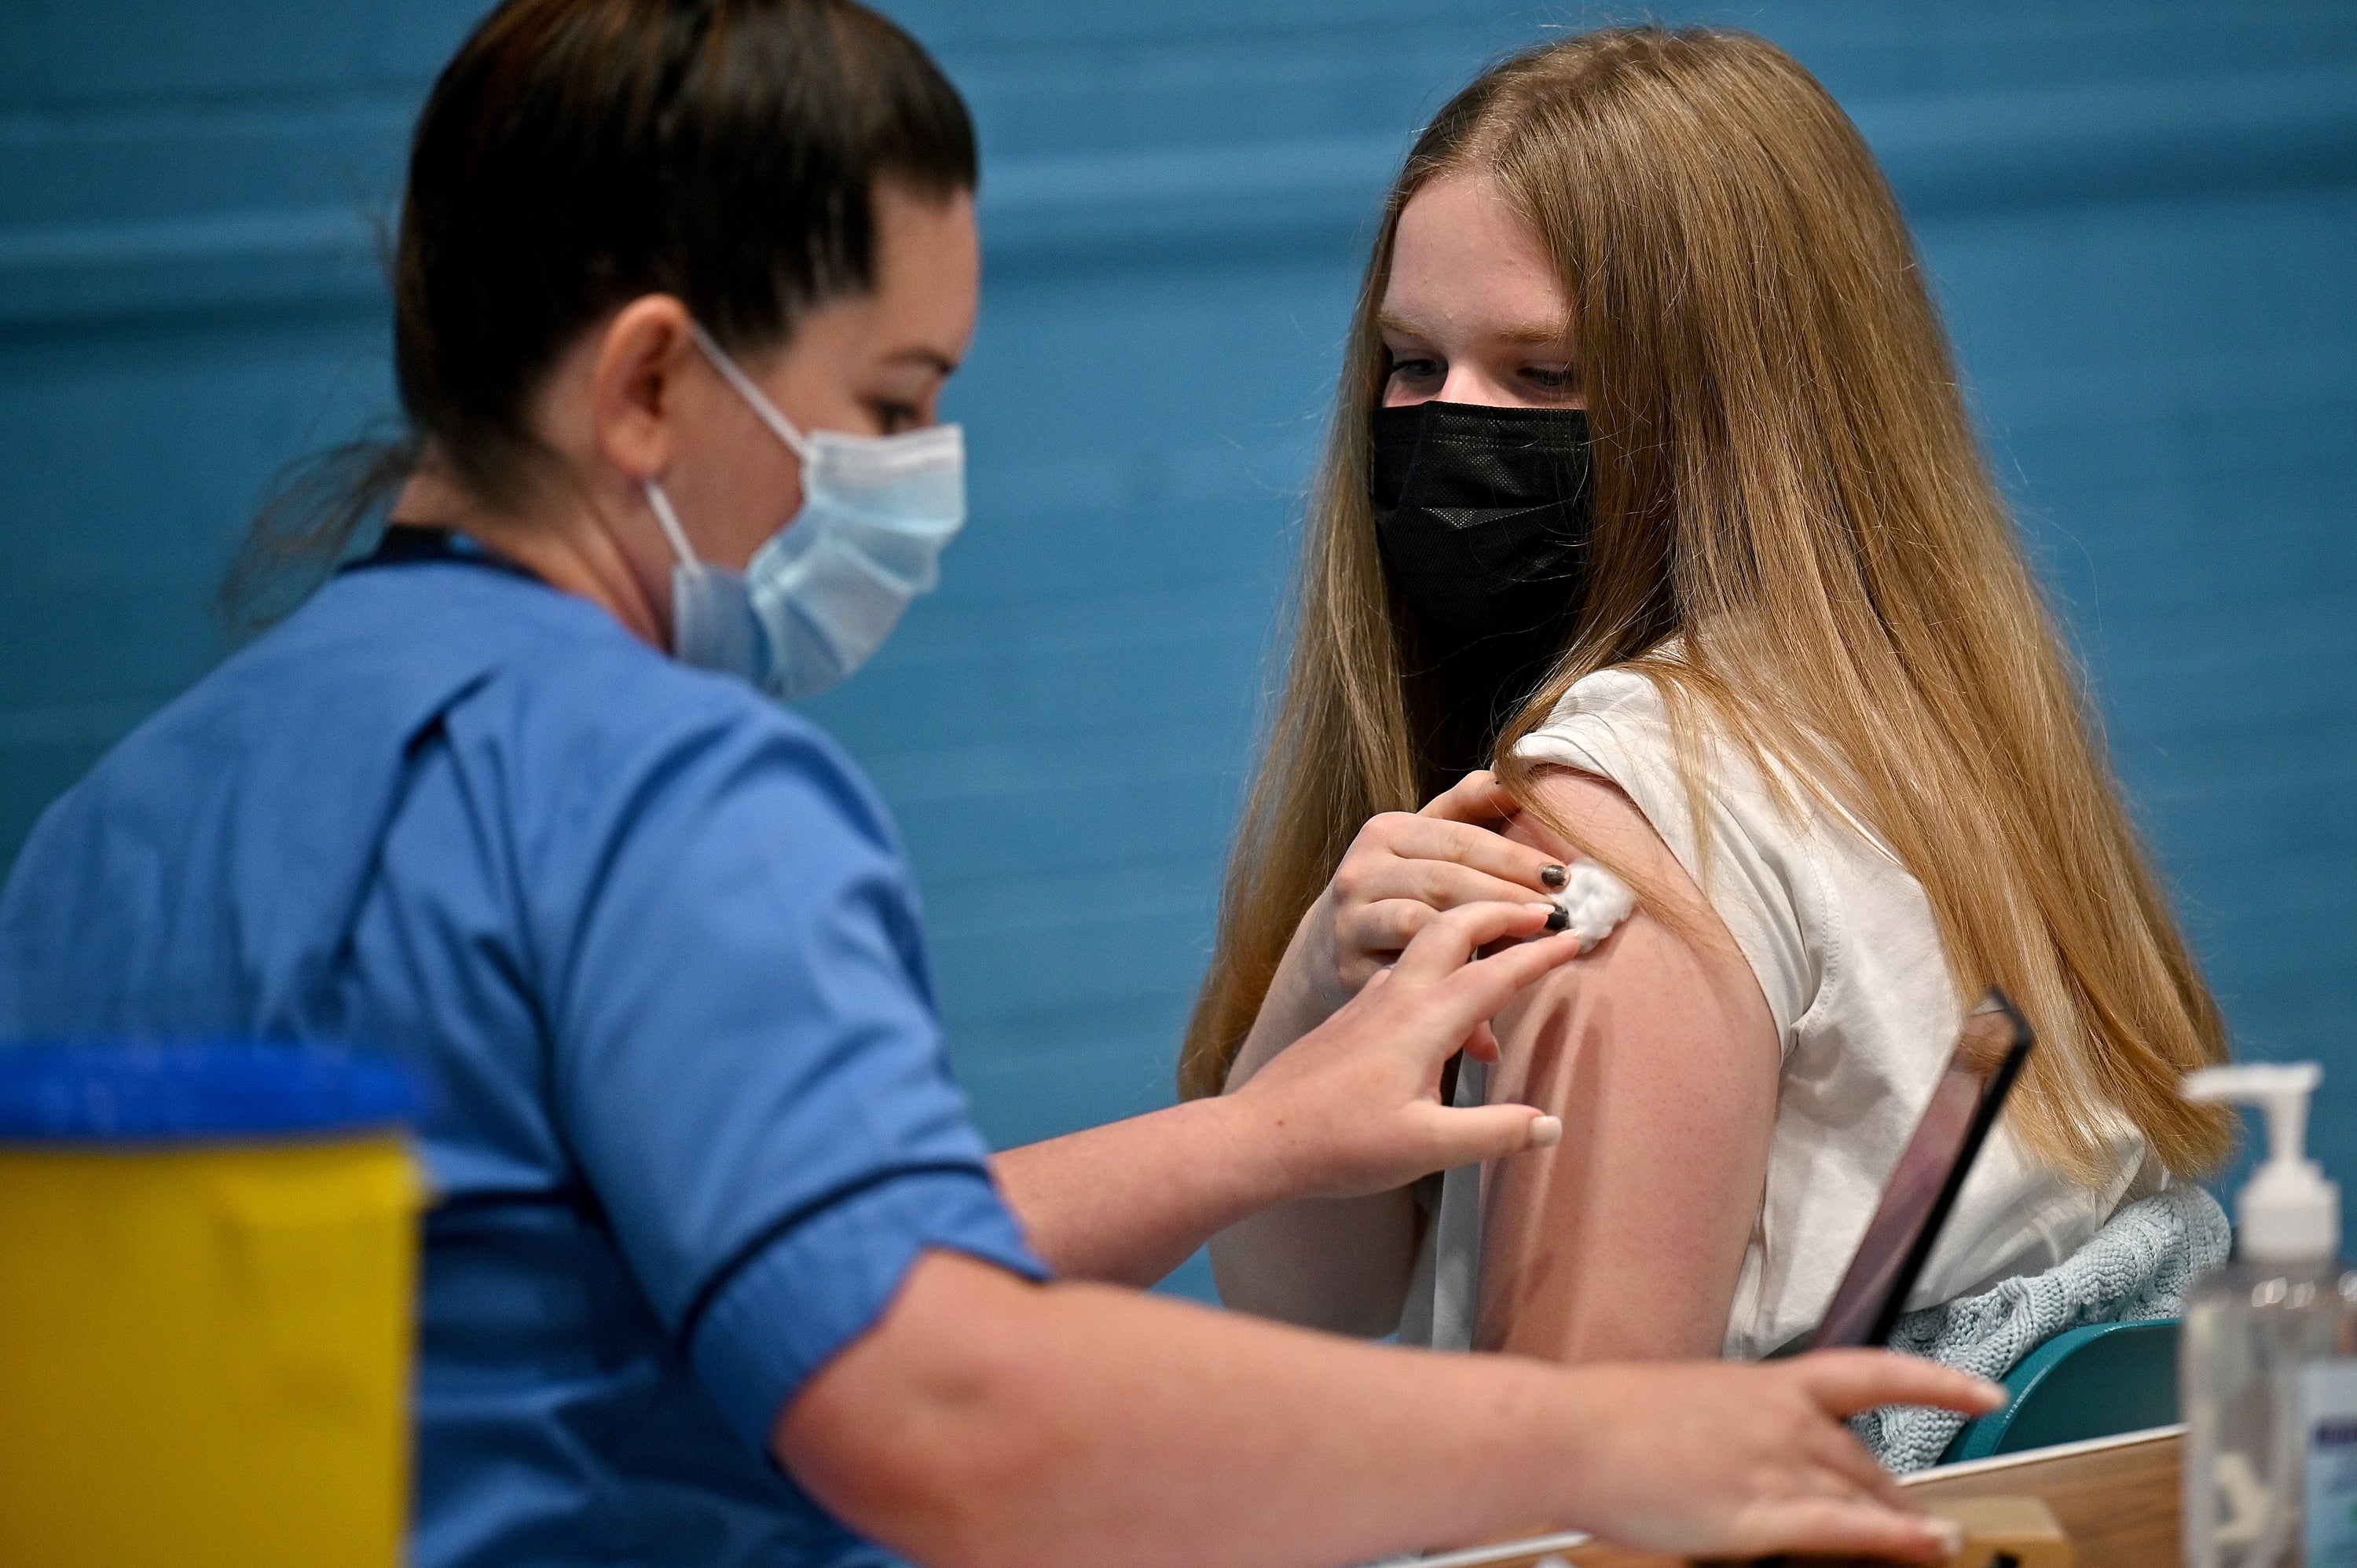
(1351, 1108)
(988, 1423)
(1128, 1202)
(985, 1420)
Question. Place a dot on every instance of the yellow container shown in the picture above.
(205, 1352)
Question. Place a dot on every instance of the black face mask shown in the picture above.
(1484, 517)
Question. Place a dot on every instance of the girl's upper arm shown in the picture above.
(1625, 1240)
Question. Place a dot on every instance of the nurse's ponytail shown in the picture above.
(577, 154)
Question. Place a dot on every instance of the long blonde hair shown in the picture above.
(1795, 535)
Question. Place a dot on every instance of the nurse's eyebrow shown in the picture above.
(938, 363)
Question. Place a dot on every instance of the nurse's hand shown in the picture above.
(985, 1420)
(1353, 1107)
(1733, 1461)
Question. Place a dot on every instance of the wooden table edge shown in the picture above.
(2140, 1466)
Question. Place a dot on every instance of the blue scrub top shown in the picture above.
(654, 939)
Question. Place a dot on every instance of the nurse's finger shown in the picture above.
(1449, 939)
(1844, 1383)
(1836, 1528)
(1479, 1133)
(1477, 991)
(1446, 1015)
(1838, 1450)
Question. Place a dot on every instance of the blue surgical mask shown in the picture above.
(825, 591)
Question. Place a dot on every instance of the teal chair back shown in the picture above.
(2097, 1381)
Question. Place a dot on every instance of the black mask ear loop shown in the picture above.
(1484, 518)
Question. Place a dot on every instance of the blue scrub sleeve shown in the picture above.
(749, 1067)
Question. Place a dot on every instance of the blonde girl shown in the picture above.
(1651, 488)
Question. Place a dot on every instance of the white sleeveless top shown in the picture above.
(1849, 958)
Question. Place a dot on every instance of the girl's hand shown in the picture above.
(1403, 870)
(1400, 873)
(1353, 1107)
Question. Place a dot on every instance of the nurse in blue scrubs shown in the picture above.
(721, 1271)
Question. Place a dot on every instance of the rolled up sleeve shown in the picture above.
(823, 1280)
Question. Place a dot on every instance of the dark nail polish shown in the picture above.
(1554, 877)
(1558, 919)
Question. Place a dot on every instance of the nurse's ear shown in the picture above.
(641, 374)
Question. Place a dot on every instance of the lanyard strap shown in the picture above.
(409, 544)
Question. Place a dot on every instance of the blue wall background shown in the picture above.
(2140, 214)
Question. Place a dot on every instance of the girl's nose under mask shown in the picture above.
(1485, 519)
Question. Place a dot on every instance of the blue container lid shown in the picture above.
(196, 1092)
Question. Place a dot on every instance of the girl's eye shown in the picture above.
(1553, 378)
(1415, 370)
(895, 417)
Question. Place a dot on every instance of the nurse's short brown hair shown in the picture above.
(576, 154)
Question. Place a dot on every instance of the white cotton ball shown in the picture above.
(1597, 902)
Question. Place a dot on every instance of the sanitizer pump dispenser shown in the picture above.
(2268, 1359)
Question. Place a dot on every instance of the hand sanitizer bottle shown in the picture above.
(2267, 1365)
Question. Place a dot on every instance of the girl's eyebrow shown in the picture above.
(1529, 334)
(1540, 334)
